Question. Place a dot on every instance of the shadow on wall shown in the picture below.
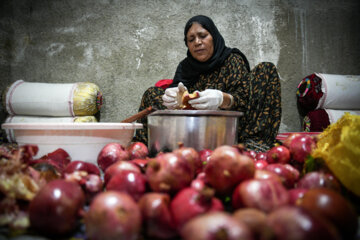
(317, 37)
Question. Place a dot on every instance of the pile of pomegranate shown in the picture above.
(225, 193)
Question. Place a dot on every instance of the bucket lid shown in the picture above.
(197, 113)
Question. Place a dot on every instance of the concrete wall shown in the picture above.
(125, 46)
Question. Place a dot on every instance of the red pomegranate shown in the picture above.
(226, 168)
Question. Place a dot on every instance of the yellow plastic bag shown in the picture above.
(339, 147)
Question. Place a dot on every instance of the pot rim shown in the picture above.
(221, 113)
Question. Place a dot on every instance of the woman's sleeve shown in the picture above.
(235, 81)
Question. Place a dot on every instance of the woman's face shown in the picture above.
(200, 43)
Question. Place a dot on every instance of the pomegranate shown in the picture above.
(157, 220)
(291, 222)
(190, 202)
(301, 147)
(261, 156)
(288, 174)
(334, 207)
(204, 157)
(137, 150)
(27, 152)
(190, 155)
(295, 194)
(264, 174)
(261, 164)
(118, 167)
(58, 158)
(111, 153)
(278, 154)
(91, 184)
(47, 171)
(141, 163)
(254, 218)
(133, 183)
(82, 166)
(199, 182)
(319, 179)
(263, 194)
(215, 225)
(113, 215)
(169, 173)
(227, 168)
(289, 138)
(55, 209)
(250, 153)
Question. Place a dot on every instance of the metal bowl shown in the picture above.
(200, 129)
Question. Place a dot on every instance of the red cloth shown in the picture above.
(163, 83)
(308, 94)
(316, 121)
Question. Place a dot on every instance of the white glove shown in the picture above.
(170, 97)
(210, 99)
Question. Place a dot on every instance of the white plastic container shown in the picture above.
(82, 141)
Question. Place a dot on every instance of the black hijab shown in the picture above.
(189, 69)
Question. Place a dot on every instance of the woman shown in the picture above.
(223, 78)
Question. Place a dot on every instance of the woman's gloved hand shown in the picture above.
(210, 99)
(170, 98)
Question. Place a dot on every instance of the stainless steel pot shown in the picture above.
(199, 129)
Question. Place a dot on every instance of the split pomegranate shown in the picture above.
(111, 153)
(47, 171)
(55, 209)
(227, 168)
(190, 202)
(278, 154)
(113, 215)
(157, 220)
(334, 207)
(26, 152)
(91, 184)
(58, 158)
(263, 194)
(137, 150)
(215, 225)
(169, 173)
(133, 183)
